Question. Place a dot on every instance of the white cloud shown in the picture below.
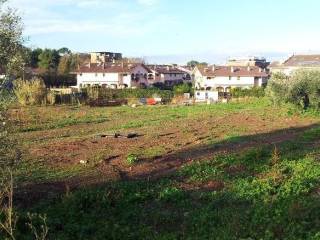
(148, 2)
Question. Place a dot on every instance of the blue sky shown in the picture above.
(174, 30)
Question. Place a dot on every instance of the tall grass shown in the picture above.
(30, 92)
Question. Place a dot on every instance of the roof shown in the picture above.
(303, 61)
(109, 68)
(166, 69)
(226, 71)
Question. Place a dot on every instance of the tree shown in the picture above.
(69, 63)
(301, 89)
(64, 51)
(34, 57)
(11, 39)
(194, 63)
(49, 60)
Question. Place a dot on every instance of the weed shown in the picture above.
(132, 159)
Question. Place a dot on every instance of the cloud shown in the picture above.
(100, 17)
(147, 2)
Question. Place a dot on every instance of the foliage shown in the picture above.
(105, 93)
(49, 59)
(194, 63)
(68, 63)
(30, 92)
(132, 159)
(277, 88)
(34, 57)
(301, 89)
(11, 40)
(183, 88)
(247, 92)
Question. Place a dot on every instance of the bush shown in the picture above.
(182, 88)
(302, 89)
(30, 92)
(112, 94)
(247, 92)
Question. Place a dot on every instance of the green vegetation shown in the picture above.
(105, 93)
(182, 88)
(132, 159)
(245, 188)
(250, 92)
(235, 197)
(30, 92)
(301, 90)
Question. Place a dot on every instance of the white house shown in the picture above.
(223, 78)
(296, 62)
(168, 75)
(113, 75)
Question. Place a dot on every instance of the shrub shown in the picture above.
(182, 88)
(30, 92)
(247, 92)
(112, 94)
(302, 89)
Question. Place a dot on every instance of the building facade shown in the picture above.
(113, 75)
(296, 62)
(168, 75)
(105, 57)
(223, 78)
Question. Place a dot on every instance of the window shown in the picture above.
(230, 77)
(103, 74)
(80, 74)
(96, 74)
(238, 78)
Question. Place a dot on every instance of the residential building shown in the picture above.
(105, 57)
(223, 78)
(168, 75)
(296, 62)
(113, 75)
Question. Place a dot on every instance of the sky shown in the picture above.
(164, 31)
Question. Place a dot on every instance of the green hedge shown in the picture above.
(106, 93)
(250, 92)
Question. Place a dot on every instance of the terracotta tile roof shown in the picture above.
(109, 68)
(274, 64)
(226, 71)
(303, 61)
(166, 69)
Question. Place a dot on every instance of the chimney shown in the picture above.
(213, 67)
(89, 64)
(168, 68)
(260, 69)
(232, 69)
(248, 68)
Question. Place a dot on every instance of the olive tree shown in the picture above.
(301, 89)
